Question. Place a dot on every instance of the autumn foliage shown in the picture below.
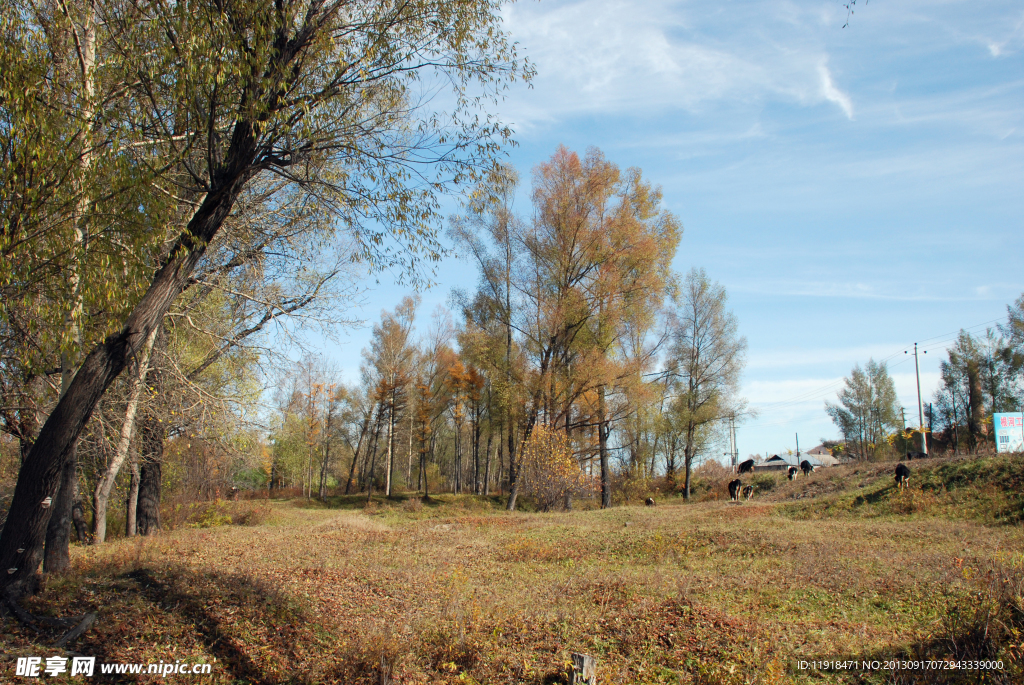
(550, 470)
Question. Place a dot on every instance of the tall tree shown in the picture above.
(390, 355)
(868, 409)
(961, 399)
(492, 233)
(706, 359)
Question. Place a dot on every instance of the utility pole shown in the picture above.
(732, 441)
(797, 448)
(920, 405)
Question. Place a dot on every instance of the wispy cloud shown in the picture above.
(611, 56)
(832, 93)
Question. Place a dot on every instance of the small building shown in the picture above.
(773, 463)
(777, 463)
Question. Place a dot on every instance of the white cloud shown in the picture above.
(609, 56)
(832, 93)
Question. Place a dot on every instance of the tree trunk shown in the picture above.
(359, 446)
(513, 468)
(78, 518)
(602, 449)
(373, 458)
(58, 530)
(147, 513)
(686, 490)
(487, 464)
(132, 502)
(58, 533)
(101, 496)
(408, 470)
(391, 443)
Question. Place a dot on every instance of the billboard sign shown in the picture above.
(1009, 431)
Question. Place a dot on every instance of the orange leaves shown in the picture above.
(550, 472)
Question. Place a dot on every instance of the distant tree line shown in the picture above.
(580, 360)
(981, 376)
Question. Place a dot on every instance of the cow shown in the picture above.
(793, 472)
(902, 476)
(915, 455)
(748, 492)
(649, 502)
(747, 466)
(734, 489)
(806, 467)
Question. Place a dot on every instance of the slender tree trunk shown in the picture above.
(391, 443)
(323, 471)
(476, 449)
(688, 459)
(373, 457)
(78, 519)
(58, 530)
(602, 449)
(101, 496)
(501, 459)
(359, 446)
(408, 470)
(487, 465)
(513, 468)
(132, 501)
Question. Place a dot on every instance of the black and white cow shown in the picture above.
(734, 489)
(650, 502)
(807, 467)
(793, 472)
(902, 476)
(747, 466)
(748, 492)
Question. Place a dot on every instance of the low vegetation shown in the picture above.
(456, 590)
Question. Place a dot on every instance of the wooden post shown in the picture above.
(584, 670)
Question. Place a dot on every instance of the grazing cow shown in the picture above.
(806, 467)
(793, 472)
(649, 502)
(916, 455)
(734, 489)
(747, 466)
(748, 492)
(902, 476)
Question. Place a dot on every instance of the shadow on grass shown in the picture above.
(255, 633)
(874, 498)
(358, 501)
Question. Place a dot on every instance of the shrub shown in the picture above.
(550, 472)
(765, 482)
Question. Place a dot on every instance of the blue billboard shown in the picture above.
(1009, 431)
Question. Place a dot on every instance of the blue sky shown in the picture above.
(854, 189)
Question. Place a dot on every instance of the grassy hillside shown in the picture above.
(457, 591)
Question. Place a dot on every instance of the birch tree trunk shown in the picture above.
(101, 496)
(132, 503)
(57, 556)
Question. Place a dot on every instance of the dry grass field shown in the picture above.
(840, 564)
